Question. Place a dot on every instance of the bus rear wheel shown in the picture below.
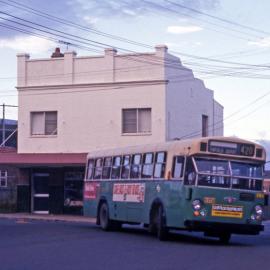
(104, 217)
(162, 231)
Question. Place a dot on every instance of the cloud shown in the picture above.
(183, 29)
(29, 44)
(263, 43)
(134, 8)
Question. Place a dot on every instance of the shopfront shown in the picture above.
(49, 183)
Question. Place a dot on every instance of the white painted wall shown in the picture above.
(187, 100)
(89, 94)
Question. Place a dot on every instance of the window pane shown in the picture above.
(147, 171)
(144, 121)
(161, 157)
(136, 167)
(37, 123)
(106, 172)
(178, 167)
(129, 121)
(50, 123)
(159, 170)
(116, 168)
(148, 158)
(98, 168)
(204, 125)
(90, 168)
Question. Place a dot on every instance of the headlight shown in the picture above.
(258, 210)
(258, 213)
(197, 205)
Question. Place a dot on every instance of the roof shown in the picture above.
(186, 146)
(9, 121)
(54, 159)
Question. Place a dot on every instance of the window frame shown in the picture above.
(147, 164)
(182, 168)
(44, 123)
(138, 121)
(3, 179)
(163, 164)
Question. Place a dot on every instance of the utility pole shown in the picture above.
(4, 106)
(3, 125)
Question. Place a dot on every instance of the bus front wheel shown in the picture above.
(104, 217)
(224, 238)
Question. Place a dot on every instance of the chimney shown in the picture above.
(57, 53)
(161, 50)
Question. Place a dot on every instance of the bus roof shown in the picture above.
(182, 147)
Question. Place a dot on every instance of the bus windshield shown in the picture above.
(229, 174)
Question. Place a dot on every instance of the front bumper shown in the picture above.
(217, 227)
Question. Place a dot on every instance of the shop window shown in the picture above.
(3, 179)
(44, 123)
(136, 120)
(73, 190)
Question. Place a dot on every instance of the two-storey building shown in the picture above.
(73, 105)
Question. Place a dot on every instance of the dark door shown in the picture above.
(40, 193)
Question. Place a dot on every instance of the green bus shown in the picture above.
(210, 184)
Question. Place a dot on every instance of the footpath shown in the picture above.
(24, 217)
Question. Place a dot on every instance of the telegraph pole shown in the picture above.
(4, 106)
(3, 125)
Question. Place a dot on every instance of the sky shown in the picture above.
(225, 42)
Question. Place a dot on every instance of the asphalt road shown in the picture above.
(51, 245)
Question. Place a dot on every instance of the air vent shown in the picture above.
(248, 197)
(203, 147)
(259, 152)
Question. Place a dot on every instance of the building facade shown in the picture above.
(71, 105)
(76, 104)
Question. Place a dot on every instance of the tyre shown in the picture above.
(162, 231)
(224, 238)
(104, 217)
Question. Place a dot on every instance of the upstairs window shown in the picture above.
(136, 120)
(43, 123)
(204, 126)
(3, 179)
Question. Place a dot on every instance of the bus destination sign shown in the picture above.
(230, 148)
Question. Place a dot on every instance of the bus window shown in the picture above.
(160, 165)
(178, 165)
(107, 167)
(116, 167)
(212, 172)
(190, 175)
(90, 168)
(98, 168)
(125, 167)
(247, 176)
(135, 171)
(148, 166)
